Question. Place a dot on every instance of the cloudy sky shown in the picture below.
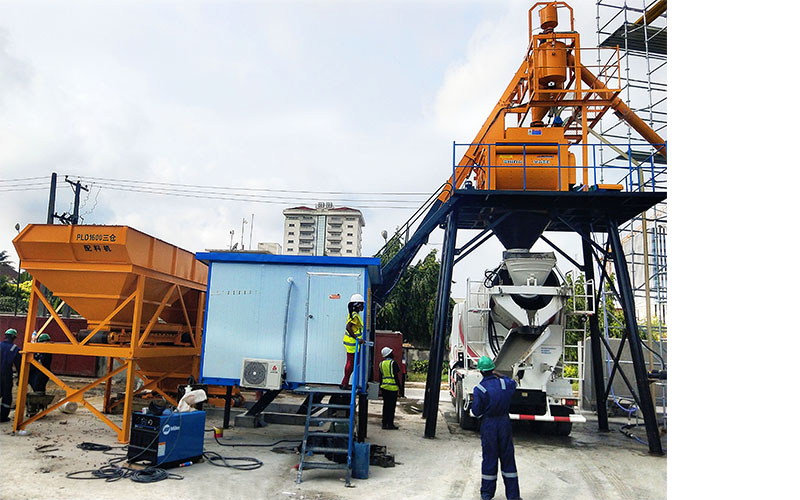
(355, 97)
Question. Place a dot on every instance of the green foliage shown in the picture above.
(577, 324)
(8, 291)
(421, 366)
(418, 371)
(613, 315)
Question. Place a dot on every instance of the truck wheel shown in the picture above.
(562, 428)
(466, 421)
(453, 382)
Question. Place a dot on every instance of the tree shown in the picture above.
(410, 307)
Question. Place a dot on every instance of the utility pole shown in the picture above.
(51, 206)
(75, 213)
(65, 218)
(244, 221)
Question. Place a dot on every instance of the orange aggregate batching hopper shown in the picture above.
(94, 269)
(142, 299)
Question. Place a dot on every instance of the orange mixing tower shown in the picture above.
(514, 149)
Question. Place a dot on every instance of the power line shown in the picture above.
(218, 196)
(243, 196)
(42, 177)
(267, 190)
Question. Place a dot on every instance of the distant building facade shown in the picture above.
(269, 247)
(324, 230)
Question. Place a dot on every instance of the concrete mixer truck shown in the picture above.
(516, 317)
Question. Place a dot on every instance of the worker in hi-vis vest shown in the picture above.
(491, 399)
(390, 374)
(353, 335)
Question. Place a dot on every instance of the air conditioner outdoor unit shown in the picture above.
(261, 373)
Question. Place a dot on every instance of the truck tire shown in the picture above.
(562, 428)
(466, 421)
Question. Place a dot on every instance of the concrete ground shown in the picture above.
(585, 465)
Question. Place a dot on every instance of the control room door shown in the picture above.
(328, 294)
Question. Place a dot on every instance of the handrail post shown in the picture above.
(524, 163)
(454, 167)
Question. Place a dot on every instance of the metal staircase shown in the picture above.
(329, 443)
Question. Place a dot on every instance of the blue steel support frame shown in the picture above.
(594, 332)
(434, 380)
(637, 356)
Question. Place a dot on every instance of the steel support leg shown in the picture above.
(637, 356)
(226, 418)
(434, 381)
(594, 330)
(361, 429)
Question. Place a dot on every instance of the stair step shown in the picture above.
(330, 405)
(330, 419)
(328, 434)
(322, 465)
(331, 389)
(325, 449)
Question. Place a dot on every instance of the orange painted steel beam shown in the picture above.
(53, 314)
(75, 395)
(653, 12)
(106, 321)
(464, 168)
(623, 111)
(154, 318)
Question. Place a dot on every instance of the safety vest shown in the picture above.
(388, 383)
(350, 340)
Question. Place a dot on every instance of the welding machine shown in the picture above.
(167, 440)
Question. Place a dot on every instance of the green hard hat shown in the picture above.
(43, 337)
(11, 332)
(485, 364)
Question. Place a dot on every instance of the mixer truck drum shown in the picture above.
(536, 302)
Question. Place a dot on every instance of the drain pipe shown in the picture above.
(286, 317)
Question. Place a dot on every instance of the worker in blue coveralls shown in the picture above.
(491, 399)
(9, 358)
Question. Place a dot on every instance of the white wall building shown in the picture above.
(324, 230)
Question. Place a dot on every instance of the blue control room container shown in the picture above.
(282, 307)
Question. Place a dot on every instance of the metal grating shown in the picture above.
(656, 39)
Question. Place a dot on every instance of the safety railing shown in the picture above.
(634, 176)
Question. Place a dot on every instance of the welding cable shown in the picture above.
(257, 445)
(88, 446)
(249, 463)
(152, 475)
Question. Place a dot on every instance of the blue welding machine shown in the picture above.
(167, 440)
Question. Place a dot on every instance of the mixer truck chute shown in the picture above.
(515, 316)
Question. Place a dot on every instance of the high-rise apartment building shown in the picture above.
(324, 230)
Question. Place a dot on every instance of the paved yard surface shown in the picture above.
(586, 465)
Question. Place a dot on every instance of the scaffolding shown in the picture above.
(639, 29)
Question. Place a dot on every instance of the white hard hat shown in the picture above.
(357, 297)
(386, 351)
